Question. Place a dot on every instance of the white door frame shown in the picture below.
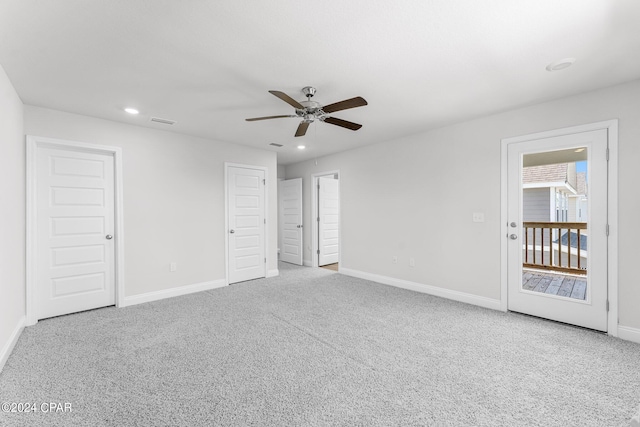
(228, 165)
(314, 215)
(33, 144)
(612, 211)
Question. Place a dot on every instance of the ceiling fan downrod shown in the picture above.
(309, 91)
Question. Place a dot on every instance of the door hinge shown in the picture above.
(607, 305)
(318, 219)
(264, 181)
(607, 229)
(318, 186)
(607, 154)
(318, 251)
(265, 260)
(265, 220)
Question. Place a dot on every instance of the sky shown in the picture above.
(581, 166)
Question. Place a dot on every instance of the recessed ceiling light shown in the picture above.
(561, 64)
(579, 150)
(131, 110)
(301, 147)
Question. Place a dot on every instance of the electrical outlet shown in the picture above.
(412, 262)
(394, 259)
(173, 267)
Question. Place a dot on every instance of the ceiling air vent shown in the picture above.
(276, 145)
(163, 121)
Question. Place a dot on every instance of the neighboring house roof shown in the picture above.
(545, 173)
(574, 240)
(581, 178)
(554, 175)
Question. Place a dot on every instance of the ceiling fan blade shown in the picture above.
(286, 98)
(358, 101)
(267, 118)
(342, 123)
(302, 128)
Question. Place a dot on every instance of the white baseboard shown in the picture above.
(173, 292)
(307, 263)
(13, 339)
(628, 333)
(426, 289)
(273, 273)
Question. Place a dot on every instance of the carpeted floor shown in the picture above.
(313, 347)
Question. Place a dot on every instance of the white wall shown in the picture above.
(572, 177)
(573, 209)
(12, 217)
(174, 207)
(414, 197)
(536, 204)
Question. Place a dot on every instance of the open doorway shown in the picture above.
(325, 233)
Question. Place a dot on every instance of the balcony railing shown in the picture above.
(546, 248)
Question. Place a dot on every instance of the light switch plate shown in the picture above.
(478, 217)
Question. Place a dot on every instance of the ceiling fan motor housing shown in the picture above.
(312, 110)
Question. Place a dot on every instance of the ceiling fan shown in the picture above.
(309, 110)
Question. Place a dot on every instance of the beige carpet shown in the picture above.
(314, 348)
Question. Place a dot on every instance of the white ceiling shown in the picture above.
(209, 64)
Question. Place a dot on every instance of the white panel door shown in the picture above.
(75, 232)
(246, 198)
(328, 225)
(545, 299)
(291, 222)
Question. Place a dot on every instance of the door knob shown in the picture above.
(513, 225)
(109, 237)
(513, 237)
(232, 231)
